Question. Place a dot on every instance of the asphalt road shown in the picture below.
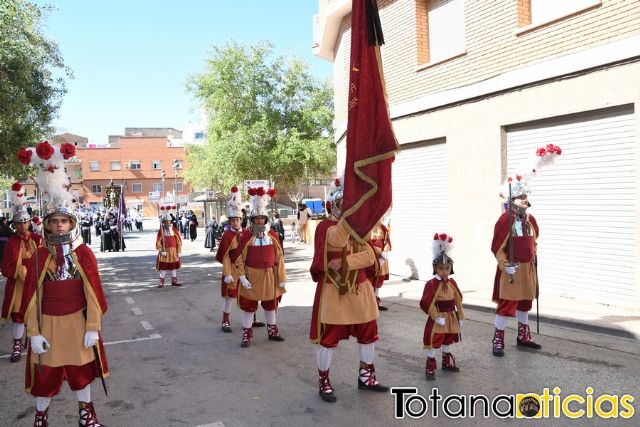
(171, 365)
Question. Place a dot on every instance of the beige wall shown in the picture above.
(473, 133)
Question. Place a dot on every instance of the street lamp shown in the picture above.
(175, 166)
(162, 175)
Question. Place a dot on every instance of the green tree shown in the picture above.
(30, 92)
(268, 117)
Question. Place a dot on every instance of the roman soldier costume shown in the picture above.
(515, 247)
(442, 302)
(344, 303)
(63, 298)
(379, 272)
(227, 255)
(17, 255)
(261, 268)
(169, 247)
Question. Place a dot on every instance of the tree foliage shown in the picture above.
(268, 118)
(30, 92)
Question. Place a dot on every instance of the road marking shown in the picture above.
(137, 311)
(129, 300)
(146, 325)
(216, 424)
(150, 337)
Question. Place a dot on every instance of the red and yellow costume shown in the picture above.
(441, 299)
(263, 266)
(17, 255)
(519, 294)
(171, 243)
(69, 308)
(227, 255)
(348, 308)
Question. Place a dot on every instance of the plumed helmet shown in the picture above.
(234, 205)
(442, 247)
(259, 199)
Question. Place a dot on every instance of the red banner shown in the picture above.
(371, 144)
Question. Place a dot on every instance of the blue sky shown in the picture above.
(131, 58)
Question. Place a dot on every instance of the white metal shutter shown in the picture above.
(585, 204)
(420, 207)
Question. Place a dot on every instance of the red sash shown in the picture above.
(170, 241)
(523, 248)
(62, 297)
(261, 256)
(446, 305)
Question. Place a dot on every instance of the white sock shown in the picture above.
(323, 357)
(42, 403)
(162, 273)
(84, 395)
(523, 317)
(366, 353)
(377, 291)
(18, 330)
(228, 302)
(174, 273)
(270, 317)
(247, 319)
(431, 352)
(501, 322)
(445, 348)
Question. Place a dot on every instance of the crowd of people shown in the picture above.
(54, 294)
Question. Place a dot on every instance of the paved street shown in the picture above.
(171, 365)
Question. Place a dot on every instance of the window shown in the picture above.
(114, 165)
(157, 187)
(96, 189)
(176, 164)
(135, 165)
(156, 164)
(538, 12)
(198, 135)
(440, 28)
(94, 166)
(136, 187)
(179, 187)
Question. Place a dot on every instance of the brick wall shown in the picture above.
(492, 44)
(142, 149)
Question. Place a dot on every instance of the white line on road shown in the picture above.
(150, 337)
(216, 424)
(137, 311)
(146, 325)
(129, 300)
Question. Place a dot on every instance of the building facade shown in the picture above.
(137, 162)
(472, 88)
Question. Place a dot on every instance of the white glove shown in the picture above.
(381, 261)
(90, 339)
(282, 284)
(245, 283)
(511, 269)
(460, 322)
(228, 279)
(440, 321)
(39, 344)
(384, 254)
(163, 254)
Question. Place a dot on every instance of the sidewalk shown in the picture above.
(558, 310)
